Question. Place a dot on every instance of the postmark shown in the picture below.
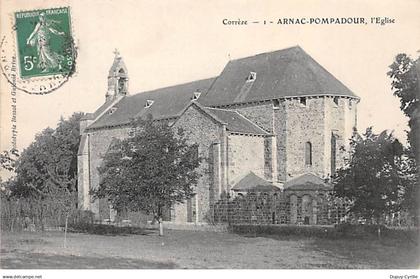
(39, 55)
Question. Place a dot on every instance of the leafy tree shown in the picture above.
(405, 82)
(149, 172)
(8, 159)
(50, 162)
(376, 176)
(47, 169)
(405, 75)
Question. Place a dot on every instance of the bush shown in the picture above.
(285, 230)
(101, 229)
(341, 231)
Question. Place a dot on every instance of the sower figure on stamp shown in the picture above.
(48, 59)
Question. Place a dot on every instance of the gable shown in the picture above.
(234, 122)
(307, 181)
(253, 183)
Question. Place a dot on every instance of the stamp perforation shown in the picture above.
(43, 82)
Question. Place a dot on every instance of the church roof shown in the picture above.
(236, 122)
(289, 72)
(284, 73)
(254, 183)
(307, 181)
(167, 102)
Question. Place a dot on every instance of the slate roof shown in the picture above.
(168, 102)
(254, 183)
(307, 181)
(284, 73)
(236, 122)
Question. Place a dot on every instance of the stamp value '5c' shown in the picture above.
(44, 41)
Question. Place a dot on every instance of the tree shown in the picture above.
(406, 85)
(405, 75)
(8, 159)
(50, 161)
(150, 172)
(47, 169)
(375, 177)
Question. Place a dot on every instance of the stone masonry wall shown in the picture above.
(99, 142)
(200, 128)
(245, 154)
(260, 114)
(280, 129)
(305, 123)
(275, 208)
(340, 120)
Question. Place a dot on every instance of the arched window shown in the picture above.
(308, 153)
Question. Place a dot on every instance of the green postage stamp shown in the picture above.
(44, 42)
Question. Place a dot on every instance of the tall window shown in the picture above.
(308, 153)
(333, 152)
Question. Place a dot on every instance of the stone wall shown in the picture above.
(280, 129)
(201, 129)
(245, 154)
(305, 123)
(99, 142)
(259, 113)
(296, 123)
(340, 121)
(276, 208)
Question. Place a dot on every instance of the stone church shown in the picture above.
(276, 122)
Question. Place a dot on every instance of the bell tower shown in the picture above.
(117, 78)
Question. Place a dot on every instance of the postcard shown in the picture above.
(231, 135)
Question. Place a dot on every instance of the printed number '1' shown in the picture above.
(29, 65)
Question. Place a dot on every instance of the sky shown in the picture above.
(170, 42)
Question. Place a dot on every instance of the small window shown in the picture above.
(302, 101)
(196, 95)
(252, 76)
(112, 110)
(149, 103)
(308, 153)
(276, 103)
(335, 100)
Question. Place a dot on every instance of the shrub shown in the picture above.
(285, 230)
(101, 229)
(341, 231)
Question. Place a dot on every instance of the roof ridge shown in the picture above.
(218, 108)
(269, 52)
(111, 105)
(172, 86)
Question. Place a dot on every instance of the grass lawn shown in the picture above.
(193, 249)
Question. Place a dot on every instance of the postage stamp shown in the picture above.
(39, 54)
(44, 42)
